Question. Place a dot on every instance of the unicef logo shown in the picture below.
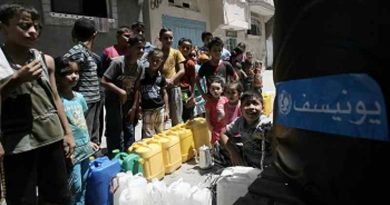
(284, 102)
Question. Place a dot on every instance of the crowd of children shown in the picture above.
(137, 80)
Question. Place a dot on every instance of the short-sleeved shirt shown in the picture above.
(151, 90)
(123, 76)
(174, 58)
(108, 54)
(231, 112)
(224, 69)
(74, 109)
(212, 106)
(88, 84)
(185, 81)
(251, 137)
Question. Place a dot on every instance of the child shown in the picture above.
(215, 108)
(215, 67)
(232, 108)
(173, 71)
(67, 76)
(119, 81)
(154, 98)
(248, 76)
(199, 110)
(34, 127)
(84, 33)
(251, 129)
(187, 82)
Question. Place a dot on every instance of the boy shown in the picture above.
(119, 81)
(250, 129)
(215, 67)
(187, 82)
(172, 69)
(154, 99)
(34, 127)
(84, 33)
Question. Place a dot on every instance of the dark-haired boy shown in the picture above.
(34, 128)
(251, 130)
(84, 33)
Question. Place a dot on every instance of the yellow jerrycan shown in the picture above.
(200, 131)
(187, 146)
(268, 101)
(152, 158)
(170, 144)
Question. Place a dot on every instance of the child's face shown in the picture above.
(155, 62)
(21, 30)
(167, 39)
(215, 52)
(232, 94)
(185, 48)
(136, 50)
(123, 38)
(216, 89)
(250, 72)
(71, 77)
(251, 109)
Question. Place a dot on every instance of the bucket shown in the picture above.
(130, 162)
(152, 158)
(100, 173)
(187, 146)
(170, 145)
(200, 131)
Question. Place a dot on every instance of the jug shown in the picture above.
(205, 160)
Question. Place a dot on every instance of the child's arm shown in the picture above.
(235, 156)
(166, 102)
(133, 110)
(106, 83)
(68, 138)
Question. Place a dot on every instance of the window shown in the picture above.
(64, 13)
(255, 27)
(82, 7)
(230, 43)
(187, 4)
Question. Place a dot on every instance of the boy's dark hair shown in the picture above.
(247, 64)
(217, 79)
(135, 39)
(62, 65)
(163, 30)
(83, 29)
(182, 40)
(156, 52)
(216, 41)
(137, 24)
(205, 34)
(235, 85)
(249, 95)
(8, 11)
(122, 30)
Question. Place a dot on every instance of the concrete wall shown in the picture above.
(56, 39)
(164, 8)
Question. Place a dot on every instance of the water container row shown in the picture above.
(131, 189)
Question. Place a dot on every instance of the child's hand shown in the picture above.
(30, 71)
(220, 114)
(190, 102)
(123, 96)
(131, 115)
(95, 147)
(166, 115)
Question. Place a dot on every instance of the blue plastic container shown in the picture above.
(100, 173)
